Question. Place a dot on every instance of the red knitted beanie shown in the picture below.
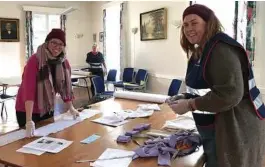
(56, 33)
(200, 10)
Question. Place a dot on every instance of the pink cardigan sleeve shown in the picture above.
(30, 78)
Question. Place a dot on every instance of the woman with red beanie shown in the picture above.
(46, 73)
(221, 93)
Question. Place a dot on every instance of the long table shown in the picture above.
(77, 151)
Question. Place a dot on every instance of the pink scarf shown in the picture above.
(46, 91)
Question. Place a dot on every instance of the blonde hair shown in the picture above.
(213, 26)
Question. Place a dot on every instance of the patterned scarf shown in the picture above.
(46, 88)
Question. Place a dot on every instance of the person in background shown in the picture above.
(226, 104)
(46, 73)
(96, 62)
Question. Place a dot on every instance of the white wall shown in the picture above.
(97, 20)
(77, 22)
(164, 59)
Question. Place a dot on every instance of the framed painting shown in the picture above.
(9, 30)
(153, 25)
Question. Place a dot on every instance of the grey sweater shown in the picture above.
(240, 135)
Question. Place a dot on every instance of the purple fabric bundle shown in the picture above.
(164, 148)
(123, 139)
(127, 137)
(131, 133)
(142, 127)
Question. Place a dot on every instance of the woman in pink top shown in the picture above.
(46, 73)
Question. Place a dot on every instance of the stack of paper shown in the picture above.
(12, 137)
(149, 107)
(112, 120)
(181, 123)
(139, 113)
(114, 158)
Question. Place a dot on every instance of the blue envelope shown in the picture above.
(90, 139)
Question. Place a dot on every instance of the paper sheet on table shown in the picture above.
(114, 153)
(64, 121)
(155, 98)
(181, 122)
(112, 120)
(139, 113)
(12, 137)
(30, 151)
(149, 107)
(49, 144)
(85, 114)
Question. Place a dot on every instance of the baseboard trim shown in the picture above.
(165, 76)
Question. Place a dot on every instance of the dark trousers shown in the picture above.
(206, 129)
(21, 117)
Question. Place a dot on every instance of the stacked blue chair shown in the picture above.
(99, 89)
(174, 87)
(111, 78)
(140, 81)
(128, 75)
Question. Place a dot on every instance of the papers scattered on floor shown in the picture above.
(12, 137)
(48, 144)
(149, 107)
(114, 158)
(180, 123)
(112, 120)
(64, 121)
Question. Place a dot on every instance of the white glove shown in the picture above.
(30, 129)
(174, 98)
(74, 112)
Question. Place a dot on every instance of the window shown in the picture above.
(226, 18)
(113, 38)
(42, 24)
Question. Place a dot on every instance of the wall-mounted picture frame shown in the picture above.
(153, 25)
(9, 30)
(101, 36)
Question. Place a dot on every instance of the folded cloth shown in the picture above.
(123, 139)
(142, 127)
(131, 133)
(182, 143)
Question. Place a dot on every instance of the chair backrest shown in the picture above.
(112, 75)
(127, 75)
(98, 83)
(141, 76)
(174, 87)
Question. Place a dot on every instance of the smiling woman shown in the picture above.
(229, 116)
(46, 73)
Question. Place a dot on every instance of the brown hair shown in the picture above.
(213, 26)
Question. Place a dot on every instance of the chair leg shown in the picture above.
(5, 111)
(2, 109)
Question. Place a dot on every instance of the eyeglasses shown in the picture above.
(57, 44)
